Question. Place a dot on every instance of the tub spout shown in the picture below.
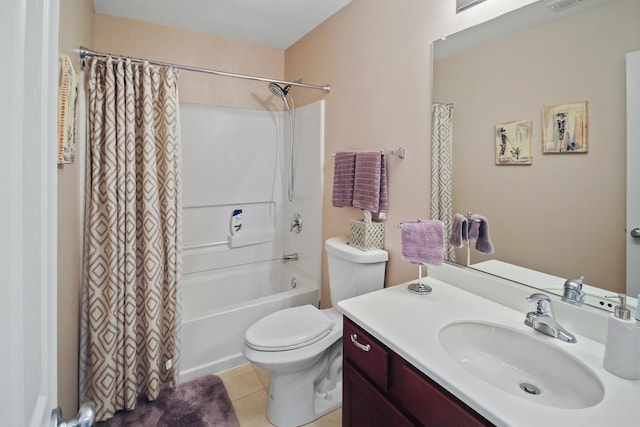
(289, 257)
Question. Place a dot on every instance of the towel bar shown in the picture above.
(400, 152)
(400, 225)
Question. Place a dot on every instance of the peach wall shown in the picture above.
(76, 29)
(376, 55)
(157, 42)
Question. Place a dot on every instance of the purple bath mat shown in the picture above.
(203, 402)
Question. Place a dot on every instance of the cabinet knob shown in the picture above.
(363, 347)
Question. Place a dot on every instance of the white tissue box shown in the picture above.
(366, 235)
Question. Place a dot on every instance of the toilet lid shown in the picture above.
(289, 329)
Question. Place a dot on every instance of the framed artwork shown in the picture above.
(565, 128)
(513, 143)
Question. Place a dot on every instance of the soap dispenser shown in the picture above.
(622, 348)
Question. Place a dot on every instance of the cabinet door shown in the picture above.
(426, 401)
(363, 405)
(366, 353)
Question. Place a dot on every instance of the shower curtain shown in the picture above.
(441, 168)
(130, 302)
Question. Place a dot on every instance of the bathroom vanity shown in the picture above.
(418, 360)
(383, 389)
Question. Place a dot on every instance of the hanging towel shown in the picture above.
(67, 110)
(478, 232)
(370, 182)
(423, 242)
(343, 178)
(474, 229)
(384, 192)
(458, 231)
(480, 229)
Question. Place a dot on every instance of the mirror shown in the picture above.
(564, 214)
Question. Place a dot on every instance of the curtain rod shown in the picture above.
(88, 53)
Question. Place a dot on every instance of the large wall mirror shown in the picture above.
(563, 214)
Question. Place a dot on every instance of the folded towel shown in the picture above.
(370, 182)
(458, 231)
(482, 239)
(343, 177)
(423, 242)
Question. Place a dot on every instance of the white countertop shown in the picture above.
(409, 324)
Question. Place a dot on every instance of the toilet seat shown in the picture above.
(289, 329)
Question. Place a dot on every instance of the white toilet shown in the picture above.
(301, 347)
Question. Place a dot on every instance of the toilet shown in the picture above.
(301, 347)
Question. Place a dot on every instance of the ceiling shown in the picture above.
(274, 23)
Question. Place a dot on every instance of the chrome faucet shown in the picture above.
(573, 290)
(542, 319)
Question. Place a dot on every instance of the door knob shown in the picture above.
(86, 417)
(635, 233)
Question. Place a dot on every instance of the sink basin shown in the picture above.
(522, 365)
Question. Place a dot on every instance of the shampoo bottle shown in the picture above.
(622, 348)
(236, 222)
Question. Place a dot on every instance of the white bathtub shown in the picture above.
(219, 306)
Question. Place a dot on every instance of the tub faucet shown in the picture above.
(542, 319)
(290, 257)
(296, 223)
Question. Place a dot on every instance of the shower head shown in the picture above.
(280, 92)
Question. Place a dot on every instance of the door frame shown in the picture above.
(633, 173)
(28, 216)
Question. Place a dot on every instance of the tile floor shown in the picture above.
(248, 388)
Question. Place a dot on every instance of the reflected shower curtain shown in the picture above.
(441, 168)
(130, 307)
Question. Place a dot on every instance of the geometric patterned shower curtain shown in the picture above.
(441, 168)
(130, 301)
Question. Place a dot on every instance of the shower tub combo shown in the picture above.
(217, 310)
(234, 276)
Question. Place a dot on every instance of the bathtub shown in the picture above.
(218, 306)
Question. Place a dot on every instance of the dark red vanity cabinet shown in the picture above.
(363, 405)
(380, 389)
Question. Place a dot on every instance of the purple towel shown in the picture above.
(384, 192)
(458, 231)
(370, 182)
(479, 231)
(423, 242)
(343, 176)
(474, 230)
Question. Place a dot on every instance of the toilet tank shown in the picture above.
(353, 272)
